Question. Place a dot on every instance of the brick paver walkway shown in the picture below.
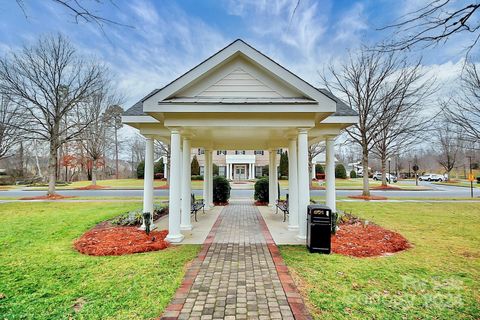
(238, 275)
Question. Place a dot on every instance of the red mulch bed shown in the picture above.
(360, 240)
(368, 197)
(261, 203)
(166, 186)
(117, 241)
(221, 203)
(48, 197)
(92, 187)
(387, 187)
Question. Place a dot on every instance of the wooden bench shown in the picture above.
(283, 206)
(196, 206)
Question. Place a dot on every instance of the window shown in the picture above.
(222, 171)
(259, 152)
(200, 151)
(220, 152)
(239, 152)
(258, 171)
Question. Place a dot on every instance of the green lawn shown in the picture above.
(42, 276)
(459, 183)
(439, 278)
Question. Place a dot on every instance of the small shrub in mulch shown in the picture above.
(359, 238)
(48, 197)
(92, 187)
(135, 217)
(368, 197)
(117, 241)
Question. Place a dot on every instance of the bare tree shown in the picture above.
(94, 136)
(113, 116)
(12, 122)
(448, 142)
(403, 121)
(366, 81)
(49, 80)
(163, 150)
(314, 150)
(136, 147)
(463, 111)
(81, 12)
(435, 23)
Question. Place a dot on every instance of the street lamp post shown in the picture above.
(470, 175)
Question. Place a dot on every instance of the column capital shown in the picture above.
(330, 138)
(303, 130)
(175, 130)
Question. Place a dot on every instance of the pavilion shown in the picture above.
(238, 99)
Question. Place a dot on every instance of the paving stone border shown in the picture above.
(194, 300)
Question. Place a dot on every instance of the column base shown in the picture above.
(186, 227)
(293, 228)
(299, 237)
(175, 238)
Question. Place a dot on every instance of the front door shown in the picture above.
(240, 172)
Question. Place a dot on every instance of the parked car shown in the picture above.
(378, 177)
(432, 177)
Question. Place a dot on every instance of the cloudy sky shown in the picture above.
(163, 39)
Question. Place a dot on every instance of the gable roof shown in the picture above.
(342, 108)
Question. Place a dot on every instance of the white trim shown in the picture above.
(239, 107)
(139, 119)
(341, 119)
(224, 55)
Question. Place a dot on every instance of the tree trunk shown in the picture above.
(366, 187)
(94, 172)
(384, 171)
(52, 167)
(116, 154)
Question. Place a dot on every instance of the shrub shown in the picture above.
(141, 170)
(215, 169)
(158, 167)
(283, 167)
(353, 174)
(135, 217)
(197, 177)
(261, 190)
(265, 170)
(478, 180)
(6, 180)
(158, 176)
(340, 171)
(319, 168)
(221, 189)
(195, 166)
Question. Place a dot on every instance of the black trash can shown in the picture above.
(319, 227)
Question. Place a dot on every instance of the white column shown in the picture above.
(210, 177)
(314, 171)
(271, 164)
(165, 167)
(185, 223)
(227, 175)
(174, 234)
(292, 185)
(303, 183)
(148, 181)
(330, 173)
(205, 179)
(252, 171)
(249, 171)
(275, 176)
